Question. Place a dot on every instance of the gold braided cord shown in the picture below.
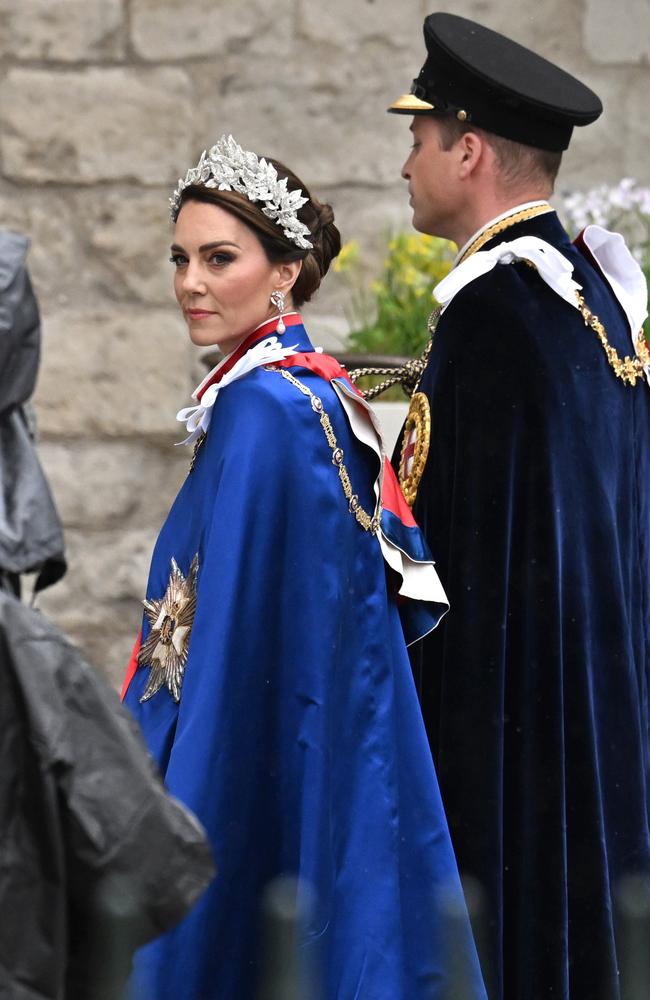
(498, 227)
(368, 522)
(408, 376)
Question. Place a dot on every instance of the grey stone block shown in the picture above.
(166, 29)
(337, 23)
(617, 33)
(128, 233)
(104, 484)
(66, 30)
(98, 602)
(114, 373)
(92, 125)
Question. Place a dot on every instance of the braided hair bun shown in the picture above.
(326, 239)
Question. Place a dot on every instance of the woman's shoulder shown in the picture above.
(278, 394)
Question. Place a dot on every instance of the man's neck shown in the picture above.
(481, 207)
(491, 220)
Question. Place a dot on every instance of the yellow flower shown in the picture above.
(348, 256)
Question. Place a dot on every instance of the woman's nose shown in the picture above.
(193, 278)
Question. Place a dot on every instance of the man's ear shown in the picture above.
(471, 149)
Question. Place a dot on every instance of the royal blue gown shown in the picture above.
(297, 739)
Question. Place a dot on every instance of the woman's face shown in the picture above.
(223, 280)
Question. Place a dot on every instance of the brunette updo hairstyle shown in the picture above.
(317, 216)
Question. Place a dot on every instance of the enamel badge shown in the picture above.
(415, 446)
(166, 646)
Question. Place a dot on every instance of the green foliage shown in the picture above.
(390, 316)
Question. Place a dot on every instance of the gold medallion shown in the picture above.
(415, 446)
(166, 647)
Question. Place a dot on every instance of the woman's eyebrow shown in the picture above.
(208, 246)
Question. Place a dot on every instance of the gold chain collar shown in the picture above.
(628, 369)
(369, 522)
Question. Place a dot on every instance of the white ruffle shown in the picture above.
(552, 266)
(624, 275)
(197, 418)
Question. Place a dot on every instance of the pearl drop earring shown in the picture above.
(277, 300)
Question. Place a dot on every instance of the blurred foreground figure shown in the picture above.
(526, 457)
(31, 539)
(96, 857)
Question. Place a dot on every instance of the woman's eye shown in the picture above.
(220, 258)
(177, 259)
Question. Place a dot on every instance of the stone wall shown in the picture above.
(104, 102)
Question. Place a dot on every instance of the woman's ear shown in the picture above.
(286, 275)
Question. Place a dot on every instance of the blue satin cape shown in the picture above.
(298, 739)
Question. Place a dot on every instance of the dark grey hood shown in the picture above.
(31, 538)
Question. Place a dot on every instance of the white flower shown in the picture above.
(623, 207)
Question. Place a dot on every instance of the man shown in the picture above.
(526, 457)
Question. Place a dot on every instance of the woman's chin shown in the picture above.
(203, 337)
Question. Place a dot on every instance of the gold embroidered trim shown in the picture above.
(368, 522)
(416, 435)
(498, 227)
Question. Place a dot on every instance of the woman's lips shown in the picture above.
(198, 313)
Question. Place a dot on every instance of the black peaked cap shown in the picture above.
(482, 77)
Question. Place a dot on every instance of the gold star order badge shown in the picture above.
(166, 647)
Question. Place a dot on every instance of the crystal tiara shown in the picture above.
(228, 167)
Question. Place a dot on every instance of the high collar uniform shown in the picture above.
(535, 502)
(297, 738)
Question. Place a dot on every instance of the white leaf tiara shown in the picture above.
(228, 167)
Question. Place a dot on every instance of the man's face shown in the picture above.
(431, 173)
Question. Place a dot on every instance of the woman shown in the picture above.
(272, 681)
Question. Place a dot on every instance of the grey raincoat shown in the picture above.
(30, 533)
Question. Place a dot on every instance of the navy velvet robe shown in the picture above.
(535, 502)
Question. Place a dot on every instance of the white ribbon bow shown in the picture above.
(197, 418)
(553, 268)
